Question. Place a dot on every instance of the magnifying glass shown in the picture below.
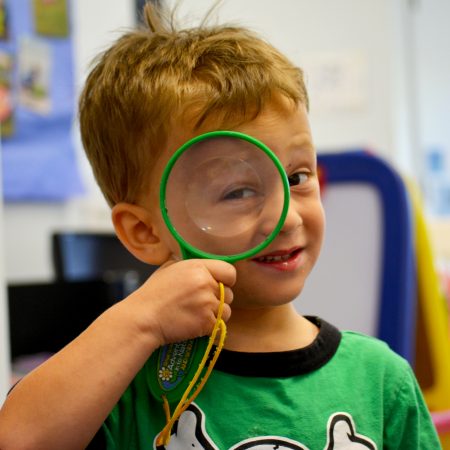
(223, 195)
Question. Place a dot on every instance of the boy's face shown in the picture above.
(277, 274)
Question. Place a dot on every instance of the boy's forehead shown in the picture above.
(277, 118)
(272, 114)
(281, 128)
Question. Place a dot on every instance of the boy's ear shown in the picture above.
(138, 232)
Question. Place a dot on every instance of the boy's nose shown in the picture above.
(293, 220)
(271, 218)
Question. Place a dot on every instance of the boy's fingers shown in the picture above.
(221, 271)
(226, 313)
(228, 295)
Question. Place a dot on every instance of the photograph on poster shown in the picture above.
(34, 61)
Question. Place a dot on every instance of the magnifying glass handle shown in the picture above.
(184, 360)
(178, 368)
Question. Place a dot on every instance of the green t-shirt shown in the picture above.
(345, 391)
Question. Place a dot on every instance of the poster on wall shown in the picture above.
(6, 102)
(3, 20)
(51, 17)
(37, 102)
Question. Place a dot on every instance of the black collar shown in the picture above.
(284, 364)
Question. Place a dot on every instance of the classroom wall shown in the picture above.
(350, 49)
(432, 72)
(28, 226)
(432, 66)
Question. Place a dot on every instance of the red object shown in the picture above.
(321, 174)
(441, 421)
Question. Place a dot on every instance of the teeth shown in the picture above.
(269, 259)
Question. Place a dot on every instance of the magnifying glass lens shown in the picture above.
(224, 195)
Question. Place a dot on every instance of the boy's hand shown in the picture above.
(181, 299)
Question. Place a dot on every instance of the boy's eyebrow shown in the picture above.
(302, 151)
(301, 142)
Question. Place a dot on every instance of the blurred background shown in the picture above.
(377, 72)
(378, 75)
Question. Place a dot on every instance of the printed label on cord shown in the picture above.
(173, 362)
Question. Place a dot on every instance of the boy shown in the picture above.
(284, 381)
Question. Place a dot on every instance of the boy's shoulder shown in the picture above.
(369, 364)
(369, 350)
(355, 346)
(356, 337)
(350, 337)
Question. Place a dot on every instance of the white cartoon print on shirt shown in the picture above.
(190, 433)
(342, 434)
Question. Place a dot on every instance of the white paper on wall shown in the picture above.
(337, 81)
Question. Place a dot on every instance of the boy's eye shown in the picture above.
(297, 178)
(239, 194)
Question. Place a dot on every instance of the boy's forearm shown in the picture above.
(64, 401)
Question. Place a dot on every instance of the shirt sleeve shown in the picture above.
(98, 442)
(408, 424)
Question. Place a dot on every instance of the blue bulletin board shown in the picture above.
(37, 101)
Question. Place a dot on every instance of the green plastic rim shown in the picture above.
(189, 251)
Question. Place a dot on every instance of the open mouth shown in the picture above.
(279, 257)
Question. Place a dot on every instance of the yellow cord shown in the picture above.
(183, 404)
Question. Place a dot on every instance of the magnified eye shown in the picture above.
(239, 194)
(297, 178)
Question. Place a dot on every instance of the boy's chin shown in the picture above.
(264, 299)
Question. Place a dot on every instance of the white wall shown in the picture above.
(4, 330)
(432, 67)
(432, 72)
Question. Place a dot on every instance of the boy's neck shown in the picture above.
(272, 329)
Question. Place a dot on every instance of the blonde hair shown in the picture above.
(151, 78)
